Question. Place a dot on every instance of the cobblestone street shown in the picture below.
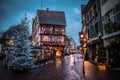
(59, 40)
(68, 69)
(71, 68)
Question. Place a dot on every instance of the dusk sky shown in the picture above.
(12, 11)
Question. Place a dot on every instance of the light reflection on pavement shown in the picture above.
(71, 68)
(74, 67)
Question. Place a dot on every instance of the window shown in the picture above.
(56, 29)
(90, 15)
(47, 29)
(110, 17)
(45, 38)
(55, 39)
(61, 30)
(51, 30)
(95, 10)
(49, 39)
(42, 27)
(117, 13)
(109, 22)
(117, 7)
(87, 18)
(61, 38)
(96, 28)
(118, 17)
(103, 20)
(92, 31)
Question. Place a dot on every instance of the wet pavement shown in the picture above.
(69, 68)
(100, 72)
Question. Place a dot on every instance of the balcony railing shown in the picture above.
(53, 33)
(49, 43)
(58, 33)
(58, 43)
(46, 43)
(111, 27)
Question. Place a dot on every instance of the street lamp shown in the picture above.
(82, 41)
(81, 35)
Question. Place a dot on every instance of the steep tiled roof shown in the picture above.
(51, 17)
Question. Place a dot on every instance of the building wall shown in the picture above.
(49, 36)
(111, 28)
(108, 5)
(99, 43)
(94, 28)
(93, 20)
(49, 32)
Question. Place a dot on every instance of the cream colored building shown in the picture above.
(110, 11)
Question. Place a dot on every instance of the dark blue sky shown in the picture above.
(12, 11)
